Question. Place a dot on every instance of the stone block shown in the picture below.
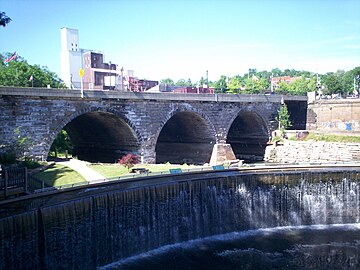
(222, 152)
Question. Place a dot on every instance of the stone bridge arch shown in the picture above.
(186, 135)
(98, 134)
(248, 134)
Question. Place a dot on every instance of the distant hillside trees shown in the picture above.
(257, 82)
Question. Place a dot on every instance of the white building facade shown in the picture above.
(70, 58)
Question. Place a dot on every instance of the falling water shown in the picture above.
(110, 226)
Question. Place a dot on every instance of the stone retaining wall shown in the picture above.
(335, 115)
(312, 151)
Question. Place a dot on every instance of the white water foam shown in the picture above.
(199, 243)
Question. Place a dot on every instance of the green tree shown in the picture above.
(18, 73)
(61, 144)
(4, 20)
(183, 82)
(167, 81)
(348, 79)
(255, 85)
(189, 83)
(276, 72)
(284, 119)
(201, 82)
(221, 85)
(301, 86)
(283, 88)
(17, 149)
(235, 85)
(264, 74)
(332, 83)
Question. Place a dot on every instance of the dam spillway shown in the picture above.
(94, 227)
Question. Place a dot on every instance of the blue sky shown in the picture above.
(183, 38)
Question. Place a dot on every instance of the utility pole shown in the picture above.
(357, 86)
(318, 85)
(110, 75)
(122, 79)
(207, 79)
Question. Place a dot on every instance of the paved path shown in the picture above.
(82, 168)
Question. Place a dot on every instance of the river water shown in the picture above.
(231, 221)
(297, 247)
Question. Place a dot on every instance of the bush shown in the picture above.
(128, 160)
(30, 163)
(8, 158)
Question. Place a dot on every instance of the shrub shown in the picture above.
(8, 157)
(30, 163)
(128, 160)
(284, 119)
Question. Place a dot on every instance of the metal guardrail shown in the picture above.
(261, 168)
(119, 178)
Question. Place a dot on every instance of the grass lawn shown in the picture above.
(333, 138)
(114, 170)
(59, 175)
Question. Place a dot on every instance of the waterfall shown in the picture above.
(100, 228)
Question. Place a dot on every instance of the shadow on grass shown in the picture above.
(59, 175)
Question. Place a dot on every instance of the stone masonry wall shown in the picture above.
(312, 152)
(41, 117)
(337, 115)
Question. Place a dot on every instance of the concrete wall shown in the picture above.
(335, 115)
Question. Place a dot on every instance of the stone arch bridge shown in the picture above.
(159, 127)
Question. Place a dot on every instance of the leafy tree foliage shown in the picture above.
(332, 83)
(183, 82)
(258, 82)
(128, 160)
(283, 118)
(221, 85)
(4, 20)
(61, 143)
(18, 73)
(235, 84)
(201, 82)
(299, 86)
(254, 85)
(167, 81)
(339, 82)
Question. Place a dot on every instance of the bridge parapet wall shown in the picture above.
(40, 114)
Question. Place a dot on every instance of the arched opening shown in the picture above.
(185, 138)
(248, 136)
(101, 137)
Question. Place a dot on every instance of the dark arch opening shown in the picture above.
(248, 137)
(101, 137)
(185, 138)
